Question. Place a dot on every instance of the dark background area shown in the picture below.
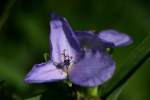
(24, 36)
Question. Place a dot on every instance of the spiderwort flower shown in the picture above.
(85, 67)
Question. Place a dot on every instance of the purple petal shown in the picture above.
(45, 72)
(85, 37)
(114, 37)
(62, 38)
(90, 40)
(95, 69)
(88, 35)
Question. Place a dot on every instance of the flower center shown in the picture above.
(67, 62)
(66, 59)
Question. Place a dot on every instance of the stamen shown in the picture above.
(66, 58)
(67, 61)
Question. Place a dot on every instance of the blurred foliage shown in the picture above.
(24, 38)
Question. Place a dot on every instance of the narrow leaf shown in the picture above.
(139, 55)
(116, 93)
(34, 98)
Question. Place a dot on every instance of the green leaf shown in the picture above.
(139, 55)
(46, 56)
(34, 98)
(116, 93)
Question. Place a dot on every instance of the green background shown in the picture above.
(24, 36)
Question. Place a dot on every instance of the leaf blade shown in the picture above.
(139, 55)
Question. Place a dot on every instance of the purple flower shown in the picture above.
(78, 56)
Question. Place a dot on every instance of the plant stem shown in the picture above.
(88, 94)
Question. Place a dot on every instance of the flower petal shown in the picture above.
(45, 72)
(95, 69)
(91, 41)
(84, 35)
(114, 37)
(85, 38)
(62, 38)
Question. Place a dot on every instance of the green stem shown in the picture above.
(88, 94)
(92, 91)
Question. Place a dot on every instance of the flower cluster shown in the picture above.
(79, 56)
